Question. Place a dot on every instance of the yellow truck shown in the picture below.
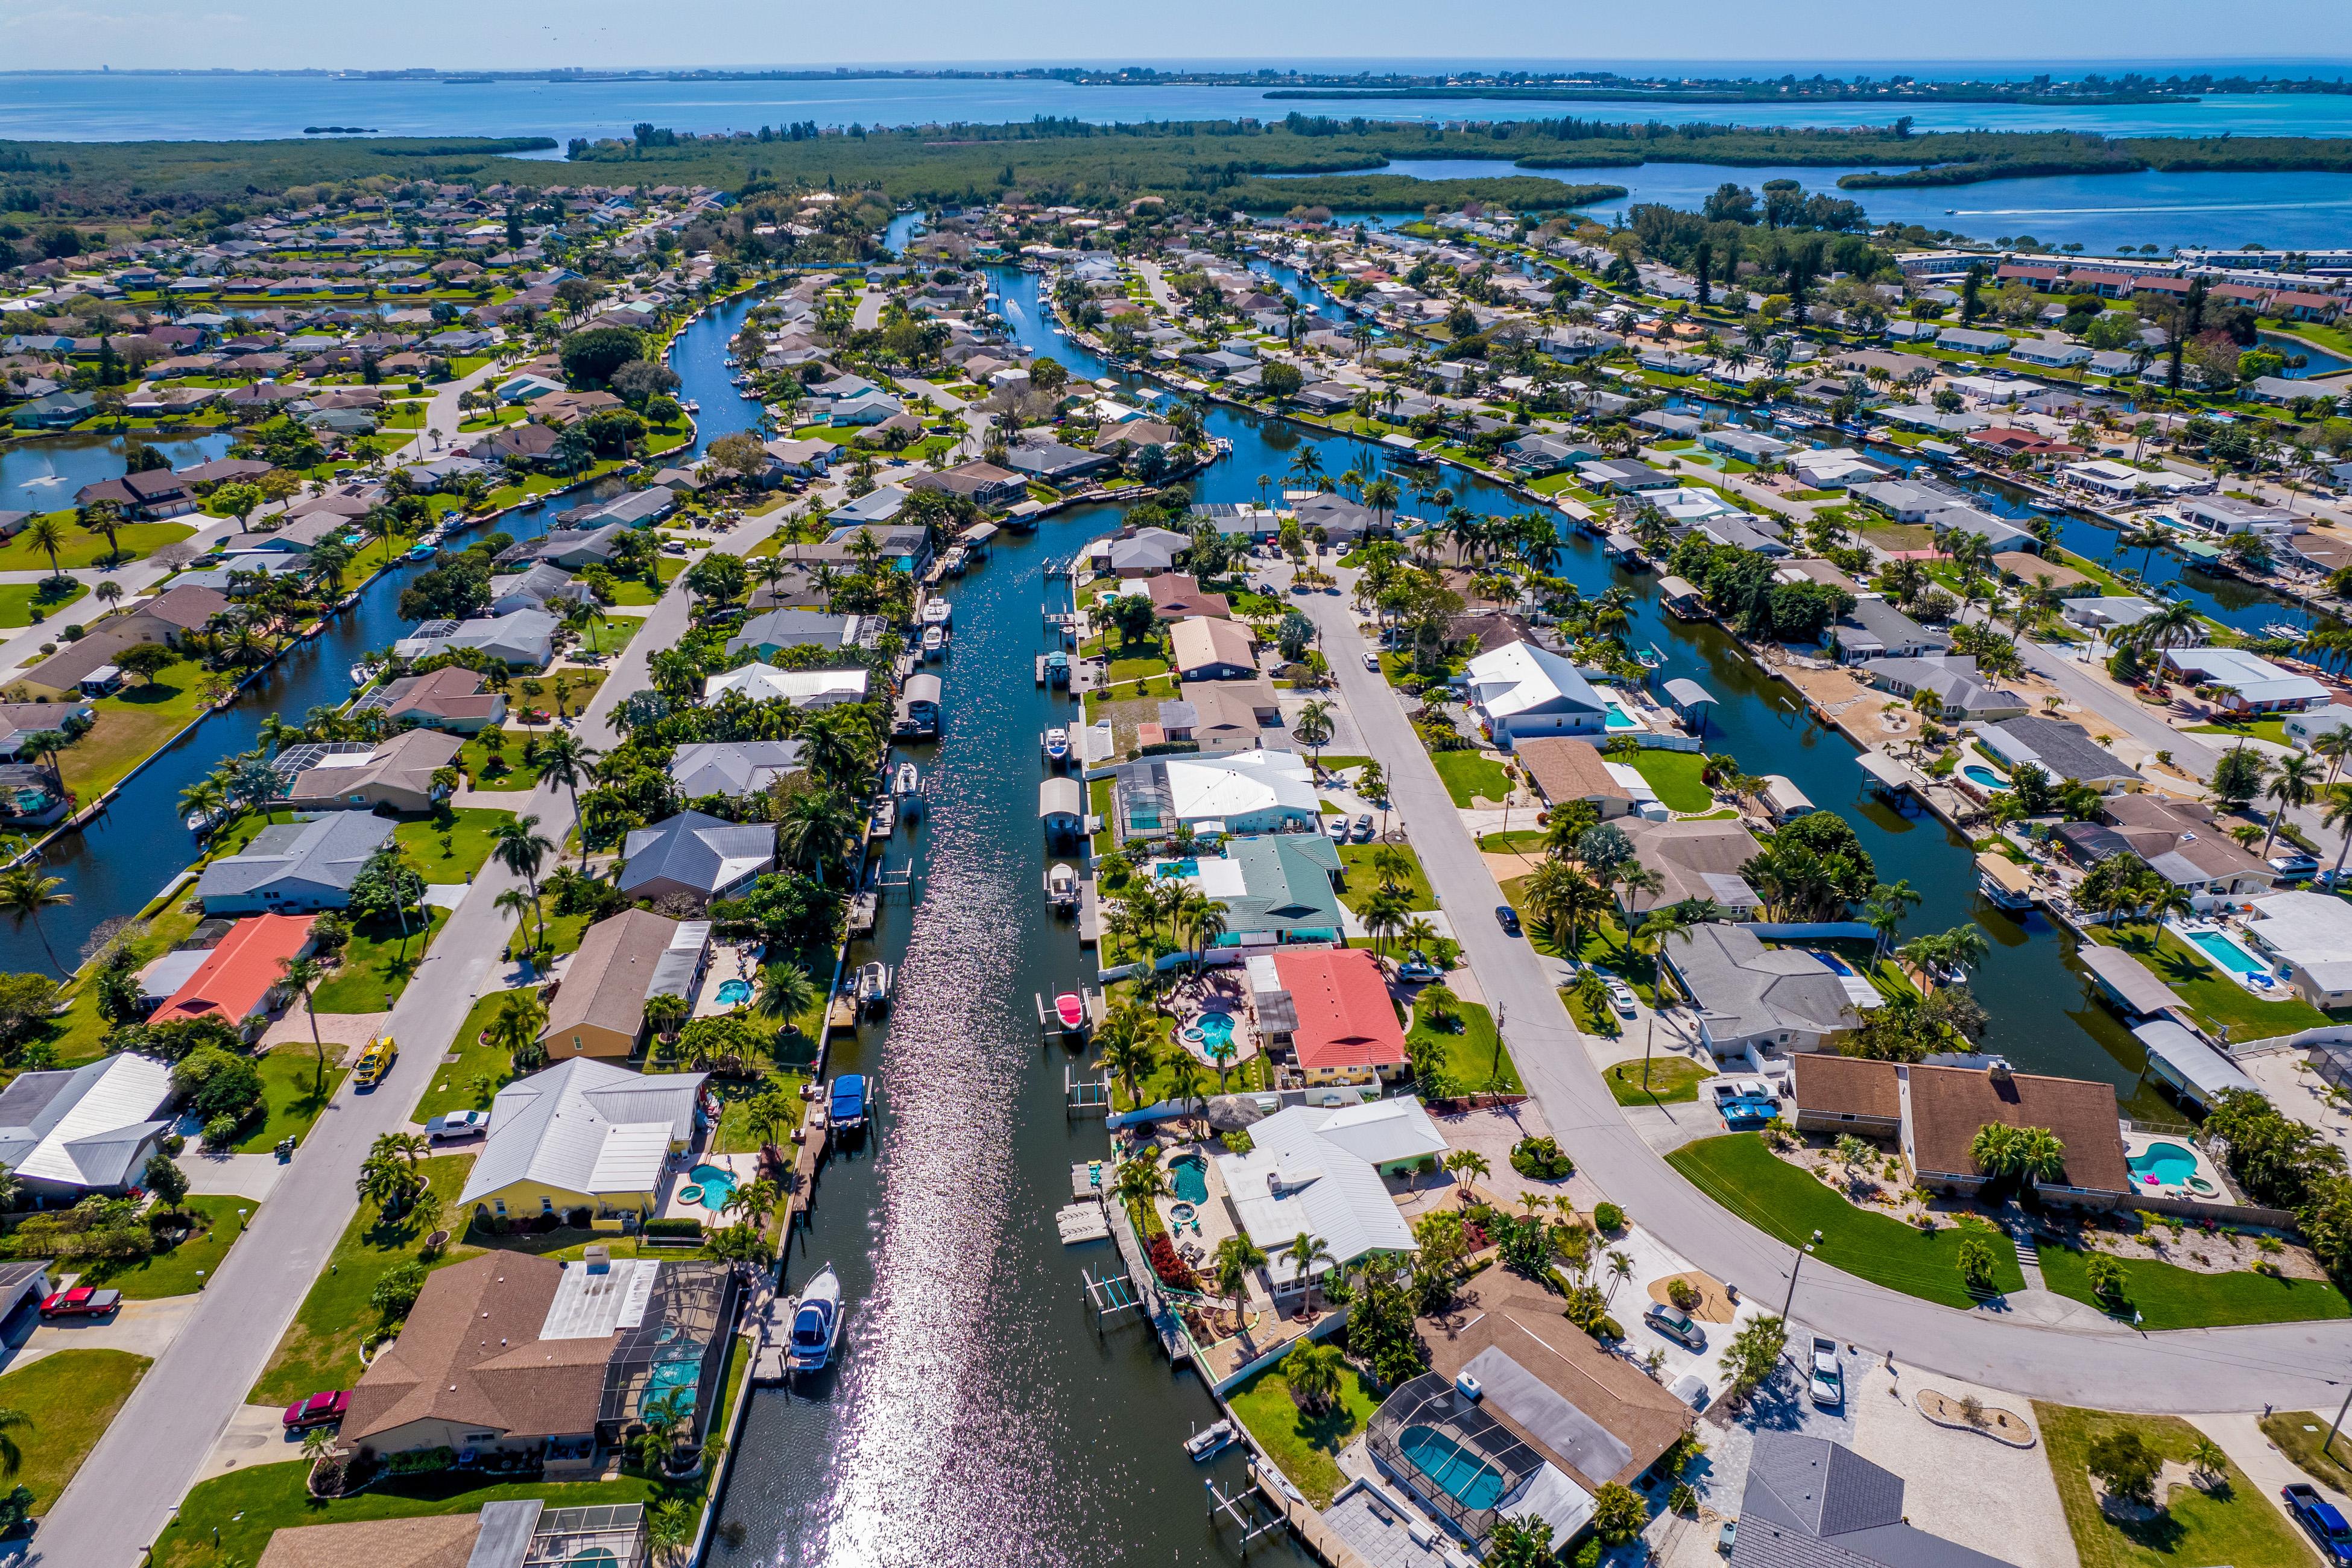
(376, 1061)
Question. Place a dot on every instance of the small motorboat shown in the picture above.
(1062, 888)
(1212, 1440)
(938, 613)
(1057, 745)
(1071, 1008)
(907, 783)
(872, 986)
(935, 642)
(363, 673)
(420, 551)
(691, 407)
(200, 822)
(845, 1105)
(817, 1324)
(2286, 631)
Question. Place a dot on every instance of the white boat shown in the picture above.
(691, 407)
(817, 1324)
(1062, 888)
(872, 986)
(907, 784)
(1057, 745)
(938, 613)
(363, 673)
(2286, 631)
(1212, 1440)
(935, 642)
(200, 822)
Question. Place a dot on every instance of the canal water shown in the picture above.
(123, 859)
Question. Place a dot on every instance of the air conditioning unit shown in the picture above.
(1467, 1386)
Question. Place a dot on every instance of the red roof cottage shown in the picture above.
(1346, 1030)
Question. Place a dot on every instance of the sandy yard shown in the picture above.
(1969, 1488)
(1491, 1131)
(350, 1030)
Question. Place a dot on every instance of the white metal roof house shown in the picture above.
(2247, 682)
(1296, 1178)
(1521, 690)
(1230, 792)
(2310, 935)
(586, 1131)
(801, 688)
(695, 854)
(85, 1130)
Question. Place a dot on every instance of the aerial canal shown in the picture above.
(117, 864)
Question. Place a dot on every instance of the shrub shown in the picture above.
(423, 1462)
(2126, 1465)
(1173, 1271)
(687, 1227)
(1541, 1159)
(1606, 1328)
(1608, 1219)
(220, 1133)
(397, 1292)
(2107, 1278)
(327, 1478)
(1683, 1294)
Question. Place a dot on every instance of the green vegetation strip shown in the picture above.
(71, 1397)
(1306, 1444)
(2167, 1296)
(1671, 1081)
(2234, 1523)
(1739, 1173)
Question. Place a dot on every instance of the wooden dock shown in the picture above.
(1147, 1285)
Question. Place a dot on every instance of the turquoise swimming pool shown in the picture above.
(1454, 1470)
(1978, 773)
(1189, 1173)
(712, 1186)
(1211, 1031)
(734, 993)
(2170, 1164)
(2229, 955)
(1173, 868)
(1619, 718)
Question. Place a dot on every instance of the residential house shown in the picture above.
(770, 633)
(1810, 1503)
(694, 856)
(1840, 1094)
(599, 1010)
(1622, 475)
(2062, 749)
(1319, 1170)
(238, 980)
(1232, 792)
(1696, 859)
(1520, 690)
(294, 866)
(585, 1133)
(1947, 1106)
(20, 721)
(1055, 463)
(1874, 629)
(1330, 519)
(1344, 1029)
(2179, 839)
(1178, 594)
(982, 484)
(1952, 682)
(70, 1132)
(451, 699)
(1562, 770)
(734, 768)
(391, 776)
(519, 639)
(1144, 554)
(1275, 887)
(800, 687)
(1204, 648)
(1760, 1001)
(2246, 683)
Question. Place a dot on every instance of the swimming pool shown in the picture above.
(1619, 718)
(1453, 1469)
(2236, 959)
(712, 1186)
(734, 993)
(1173, 868)
(1211, 1031)
(2170, 1164)
(1190, 1175)
(1978, 773)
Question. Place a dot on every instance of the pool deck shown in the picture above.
(743, 1167)
(729, 961)
(2189, 931)
(2135, 1142)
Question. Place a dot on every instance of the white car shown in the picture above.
(1372, 662)
(1621, 997)
(1828, 1386)
(1338, 828)
(457, 1124)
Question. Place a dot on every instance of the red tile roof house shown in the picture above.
(239, 981)
(1346, 1030)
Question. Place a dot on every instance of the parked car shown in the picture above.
(1371, 661)
(1507, 917)
(319, 1409)
(2295, 866)
(1829, 1377)
(1621, 997)
(1675, 1325)
(1417, 968)
(1363, 832)
(82, 1301)
(1337, 827)
(1692, 1390)
(2322, 1519)
(375, 1061)
(457, 1124)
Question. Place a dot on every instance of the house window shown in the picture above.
(546, 1204)
(499, 1204)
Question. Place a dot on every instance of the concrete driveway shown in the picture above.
(213, 1175)
(142, 1327)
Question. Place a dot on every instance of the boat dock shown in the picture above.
(1145, 1284)
(1082, 1222)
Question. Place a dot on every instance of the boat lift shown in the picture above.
(1110, 1295)
(1249, 1512)
(1085, 1096)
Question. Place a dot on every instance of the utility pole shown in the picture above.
(1794, 1264)
(2337, 1421)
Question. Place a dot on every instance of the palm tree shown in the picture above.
(1315, 727)
(302, 974)
(1140, 1180)
(25, 892)
(2339, 816)
(1302, 1254)
(12, 1458)
(2292, 786)
(1128, 1050)
(521, 849)
(1312, 1371)
(519, 904)
(514, 1028)
(817, 827)
(1621, 1267)
(47, 536)
(786, 992)
(1235, 1256)
(1470, 1162)
(563, 760)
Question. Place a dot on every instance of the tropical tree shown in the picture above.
(1140, 1180)
(521, 849)
(563, 760)
(786, 993)
(12, 1420)
(303, 974)
(2292, 784)
(1302, 1254)
(1315, 727)
(1129, 1049)
(1466, 1166)
(1235, 1256)
(515, 1029)
(25, 892)
(1312, 1371)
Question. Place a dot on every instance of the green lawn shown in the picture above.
(1475, 1057)
(376, 965)
(468, 830)
(1675, 776)
(2302, 1436)
(637, 591)
(1738, 1171)
(289, 1089)
(247, 1506)
(174, 1273)
(85, 548)
(1361, 882)
(1468, 773)
(71, 1395)
(322, 1346)
(1161, 1083)
(19, 600)
(453, 1087)
(1671, 1080)
(2270, 730)
(2234, 1523)
(2213, 996)
(1306, 1447)
(1519, 841)
(132, 725)
(2167, 1296)
(511, 772)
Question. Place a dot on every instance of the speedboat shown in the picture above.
(1062, 888)
(935, 642)
(1212, 1440)
(938, 613)
(907, 784)
(817, 1324)
(1071, 1008)
(420, 552)
(363, 673)
(873, 986)
(1057, 745)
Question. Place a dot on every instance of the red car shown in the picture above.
(319, 1410)
(81, 1301)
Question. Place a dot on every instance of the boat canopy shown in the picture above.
(2198, 1070)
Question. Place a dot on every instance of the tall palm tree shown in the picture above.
(525, 910)
(1302, 1254)
(1885, 911)
(514, 1029)
(2339, 816)
(2292, 785)
(521, 849)
(25, 892)
(786, 993)
(816, 827)
(1128, 1051)
(1235, 1256)
(563, 760)
(1621, 1267)
(302, 974)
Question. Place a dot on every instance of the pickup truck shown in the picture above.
(1829, 1378)
(81, 1301)
(2322, 1519)
(457, 1124)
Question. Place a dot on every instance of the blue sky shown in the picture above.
(1739, 34)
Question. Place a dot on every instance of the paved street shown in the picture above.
(2291, 1365)
(179, 1411)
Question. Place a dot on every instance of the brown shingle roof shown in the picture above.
(1177, 593)
(605, 985)
(1846, 1086)
(1565, 769)
(1523, 1322)
(1949, 1104)
(433, 1541)
(471, 1354)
